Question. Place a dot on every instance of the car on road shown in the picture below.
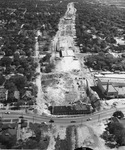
(88, 119)
(72, 121)
(3, 108)
(30, 108)
(43, 123)
(21, 117)
(75, 59)
(57, 58)
(7, 112)
(51, 121)
(110, 118)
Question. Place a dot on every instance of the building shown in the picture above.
(111, 85)
(70, 110)
(17, 94)
(106, 88)
(84, 148)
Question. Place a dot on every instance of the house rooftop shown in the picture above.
(2, 89)
(12, 131)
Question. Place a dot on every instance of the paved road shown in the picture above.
(61, 121)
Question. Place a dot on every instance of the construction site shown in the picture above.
(67, 86)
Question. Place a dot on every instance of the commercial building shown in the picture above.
(111, 85)
(106, 88)
(70, 110)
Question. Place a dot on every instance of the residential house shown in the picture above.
(27, 95)
(8, 130)
(3, 93)
(2, 69)
(17, 94)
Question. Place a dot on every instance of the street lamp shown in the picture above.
(33, 119)
(81, 121)
(2, 116)
(99, 118)
(25, 107)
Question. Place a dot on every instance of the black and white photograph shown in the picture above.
(62, 74)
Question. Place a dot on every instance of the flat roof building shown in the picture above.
(111, 85)
(115, 76)
(70, 110)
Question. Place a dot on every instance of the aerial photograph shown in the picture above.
(62, 74)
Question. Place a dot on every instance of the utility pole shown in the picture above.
(99, 118)
(2, 115)
(115, 107)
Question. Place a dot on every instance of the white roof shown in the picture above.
(68, 64)
(116, 76)
(70, 52)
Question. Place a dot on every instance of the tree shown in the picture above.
(36, 128)
(28, 144)
(118, 114)
(46, 58)
(114, 126)
(8, 141)
(6, 61)
(8, 70)
(49, 67)
(2, 79)
(115, 132)
(16, 57)
(118, 132)
(10, 85)
(120, 137)
(21, 70)
(24, 63)
(19, 80)
(8, 52)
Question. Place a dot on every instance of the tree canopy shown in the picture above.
(118, 114)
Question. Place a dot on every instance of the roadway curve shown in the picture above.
(98, 116)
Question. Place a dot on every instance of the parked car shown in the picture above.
(3, 108)
(43, 123)
(31, 108)
(7, 112)
(73, 121)
(51, 121)
(88, 119)
(21, 117)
